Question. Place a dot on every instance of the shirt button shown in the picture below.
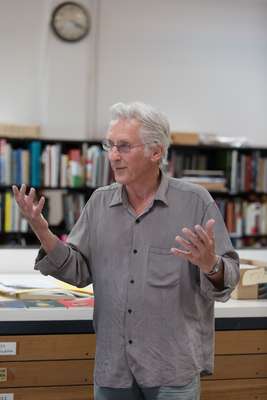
(130, 341)
(129, 311)
(132, 281)
(137, 221)
(135, 251)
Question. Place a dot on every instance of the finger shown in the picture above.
(22, 190)
(183, 242)
(209, 228)
(189, 248)
(194, 239)
(15, 191)
(179, 252)
(185, 255)
(39, 206)
(202, 234)
(17, 195)
(32, 194)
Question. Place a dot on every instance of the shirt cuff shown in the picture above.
(53, 261)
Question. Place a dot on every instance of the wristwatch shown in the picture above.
(216, 267)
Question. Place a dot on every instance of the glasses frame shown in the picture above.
(122, 148)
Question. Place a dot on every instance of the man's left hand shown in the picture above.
(198, 246)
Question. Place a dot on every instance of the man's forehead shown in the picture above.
(124, 128)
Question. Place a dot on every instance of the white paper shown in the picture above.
(8, 348)
(6, 396)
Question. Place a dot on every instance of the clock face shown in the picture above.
(70, 21)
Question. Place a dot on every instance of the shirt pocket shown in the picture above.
(163, 269)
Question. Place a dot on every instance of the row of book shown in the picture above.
(212, 180)
(243, 172)
(248, 172)
(11, 219)
(244, 218)
(47, 165)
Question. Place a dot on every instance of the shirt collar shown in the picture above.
(161, 193)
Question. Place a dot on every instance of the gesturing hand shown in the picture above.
(199, 246)
(30, 209)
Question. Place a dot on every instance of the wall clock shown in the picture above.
(70, 21)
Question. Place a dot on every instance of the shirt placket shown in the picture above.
(134, 284)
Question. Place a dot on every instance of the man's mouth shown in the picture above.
(118, 168)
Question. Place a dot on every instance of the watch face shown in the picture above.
(70, 21)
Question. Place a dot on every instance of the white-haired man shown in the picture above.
(158, 254)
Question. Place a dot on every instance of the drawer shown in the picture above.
(240, 367)
(51, 393)
(241, 342)
(46, 373)
(50, 347)
(247, 389)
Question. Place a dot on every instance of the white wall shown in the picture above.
(44, 80)
(202, 62)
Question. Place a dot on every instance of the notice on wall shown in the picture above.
(8, 349)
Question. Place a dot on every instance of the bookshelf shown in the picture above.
(72, 169)
(237, 180)
(235, 176)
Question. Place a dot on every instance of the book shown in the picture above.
(12, 304)
(26, 293)
(203, 172)
(35, 163)
(43, 304)
(85, 302)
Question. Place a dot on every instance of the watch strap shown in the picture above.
(216, 267)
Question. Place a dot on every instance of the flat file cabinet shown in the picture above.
(60, 366)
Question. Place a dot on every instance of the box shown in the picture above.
(253, 280)
(19, 131)
(185, 138)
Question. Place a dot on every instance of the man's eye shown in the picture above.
(124, 147)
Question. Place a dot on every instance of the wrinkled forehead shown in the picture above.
(124, 130)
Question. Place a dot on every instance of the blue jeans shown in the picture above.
(191, 391)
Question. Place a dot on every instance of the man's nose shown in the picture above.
(114, 153)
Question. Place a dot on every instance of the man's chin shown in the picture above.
(120, 179)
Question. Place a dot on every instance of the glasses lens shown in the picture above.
(124, 148)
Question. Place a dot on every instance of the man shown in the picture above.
(158, 254)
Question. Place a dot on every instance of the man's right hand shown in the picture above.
(30, 209)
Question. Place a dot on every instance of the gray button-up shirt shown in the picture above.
(154, 312)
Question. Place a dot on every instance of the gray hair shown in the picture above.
(155, 128)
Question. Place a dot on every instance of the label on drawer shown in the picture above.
(3, 374)
(8, 349)
(6, 396)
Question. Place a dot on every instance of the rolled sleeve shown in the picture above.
(231, 278)
(50, 263)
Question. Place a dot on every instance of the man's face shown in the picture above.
(135, 166)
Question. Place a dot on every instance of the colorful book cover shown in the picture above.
(43, 304)
(85, 302)
(35, 163)
(11, 304)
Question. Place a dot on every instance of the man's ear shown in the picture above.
(156, 152)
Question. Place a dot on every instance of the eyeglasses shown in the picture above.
(122, 147)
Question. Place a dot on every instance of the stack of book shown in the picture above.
(26, 296)
(212, 180)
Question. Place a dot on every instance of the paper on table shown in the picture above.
(254, 276)
(28, 281)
